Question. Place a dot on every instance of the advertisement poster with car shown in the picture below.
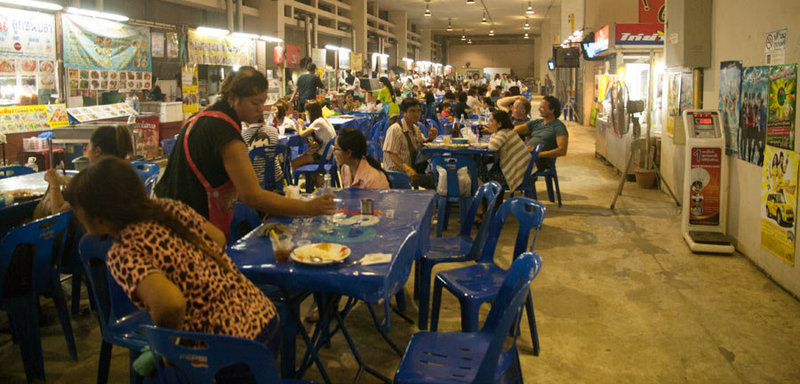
(779, 202)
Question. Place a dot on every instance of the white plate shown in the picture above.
(320, 253)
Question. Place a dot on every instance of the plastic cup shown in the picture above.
(283, 249)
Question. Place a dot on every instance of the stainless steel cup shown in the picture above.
(366, 206)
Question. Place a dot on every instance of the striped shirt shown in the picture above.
(395, 142)
(256, 136)
(514, 156)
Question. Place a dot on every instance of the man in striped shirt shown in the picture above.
(403, 141)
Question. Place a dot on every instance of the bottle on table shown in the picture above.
(32, 164)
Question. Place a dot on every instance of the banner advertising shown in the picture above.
(318, 57)
(30, 118)
(292, 56)
(344, 59)
(157, 44)
(639, 34)
(705, 186)
(779, 202)
(25, 33)
(191, 100)
(220, 50)
(782, 105)
(93, 43)
(753, 114)
(730, 89)
(172, 45)
(356, 62)
(652, 12)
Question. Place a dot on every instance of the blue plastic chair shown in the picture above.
(14, 170)
(451, 164)
(199, 356)
(550, 178)
(374, 149)
(398, 180)
(46, 236)
(267, 155)
(119, 318)
(456, 248)
(148, 172)
(168, 145)
(327, 164)
(527, 187)
(245, 219)
(376, 129)
(479, 283)
(475, 357)
(423, 127)
(436, 123)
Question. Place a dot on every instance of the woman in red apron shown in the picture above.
(210, 170)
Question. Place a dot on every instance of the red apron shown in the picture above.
(222, 199)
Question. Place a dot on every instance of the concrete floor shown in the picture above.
(620, 299)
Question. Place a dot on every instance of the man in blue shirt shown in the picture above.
(549, 131)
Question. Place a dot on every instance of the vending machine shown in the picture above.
(706, 186)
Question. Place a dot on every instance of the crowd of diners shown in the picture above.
(169, 252)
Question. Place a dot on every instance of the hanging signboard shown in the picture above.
(601, 37)
(356, 62)
(344, 59)
(220, 50)
(31, 118)
(93, 43)
(292, 56)
(779, 202)
(31, 34)
(639, 34)
(318, 57)
(652, 12)
(191, 101)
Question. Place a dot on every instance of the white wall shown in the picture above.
(738, 33)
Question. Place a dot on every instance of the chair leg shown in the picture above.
(104, 362)
(441, 218)
(533, 189)
(558, 190)
(63, 316)
(532, 324)
(437, 302)
(549, 183)
(426, 267)
(134, 377)
(77, 277)
(24, 319)
(469, 316)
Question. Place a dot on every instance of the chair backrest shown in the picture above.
(399, 270)
(14, 170)
(245, 219)
(148, 172)
(375, 131)
(198, 357)
(398, 180)
(505, 310)
(267, 155)
(46, 236)
(327, 154)
(488, 192)
(168, 144)
(111, 301)
(526, 177)
(436, 123)
(374, 149)
(529, 214)
(451, 164)
(423, 127)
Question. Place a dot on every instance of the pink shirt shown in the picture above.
(365, 177)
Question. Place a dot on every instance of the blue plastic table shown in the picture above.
(21, 211)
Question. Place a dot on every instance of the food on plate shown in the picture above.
(104, 75)
(108, 41)
(28, 65)
(84, 84)
(123, 75)
(25, 194)
(59, 114)
(7, 65)
(104, 84)
(113, 75)
(95, 75)
(47, 66)
(138, 75)
(112, 84)
(147, 76)
(73, 84)
(84, 74)
(131, 84)
(322, 253)
(146, 86)
(95, 83)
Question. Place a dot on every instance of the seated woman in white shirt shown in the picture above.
(320, 129)
(359, 170)
(282, 118)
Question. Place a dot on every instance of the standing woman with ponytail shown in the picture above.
(359, 170)
(209, 169)
(105, 140)
(168, 259)
(386, 96)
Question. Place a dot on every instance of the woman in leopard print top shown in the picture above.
(169, 259)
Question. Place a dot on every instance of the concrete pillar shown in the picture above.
(427, 41)
(400, 21)
(359, 19)
(270, 21)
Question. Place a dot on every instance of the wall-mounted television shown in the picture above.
(567, 57)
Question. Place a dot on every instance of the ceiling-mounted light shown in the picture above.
(449, 25)
(243, 35)
(526, 26)
(271, 39)
(463, 35)
(212, 31)
(469, 41)
(491, 32)
(102, 15)
(526, 35)
(470, 1)
(483, 20)
(34, 4)
(530, 9)
(427, 10)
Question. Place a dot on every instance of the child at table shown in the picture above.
(168, 259)
(447, 112)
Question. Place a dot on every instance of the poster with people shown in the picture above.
(753, 114)
(779, 202)
(730, 89)
(673, 100)
(781, 106)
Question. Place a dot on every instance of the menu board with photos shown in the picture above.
(220, 50)
(100, 112)
(102, 80)
(94, 43)
(31, 118)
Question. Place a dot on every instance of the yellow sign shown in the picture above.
(191, 101)
(220, 50)
(779, 202)
(30, 118)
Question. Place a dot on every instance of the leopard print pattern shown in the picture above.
(216, 302)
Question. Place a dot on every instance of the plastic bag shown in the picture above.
(464, 182)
